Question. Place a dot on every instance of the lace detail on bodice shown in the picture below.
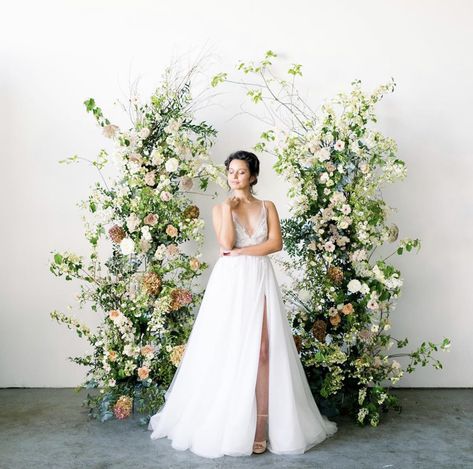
(259, 234)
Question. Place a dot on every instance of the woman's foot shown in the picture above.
(259, 446)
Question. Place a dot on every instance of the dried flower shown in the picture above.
(176, 354)
(335, 274)
(192, 211)
(179, 298)
(152, 283)
(116, 233)
(123, 406)
(319, 330)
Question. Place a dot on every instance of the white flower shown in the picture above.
(160, 252)
(171, 165)
(122, 190)
(150, 178)
(328, 137)
(364, 167)
(128, 350)
(127, 246)
(379, 274)
(372, 304)
(305, 295)
(135, 158)
(329, 246)
(144, 132)
(110, 130)
(173, 126)
(364, 289)
(145, 234)
(157, 157)
(344, 223)
(358, 255)
(339, 145)
(354, 285)
(186, 183)
(324, 177)
(374, 328)
(145, 245)
(338, 197)
(313, 145)
(132, 222)
(346, 209)
(323, 154)
(395, 365)
(133, 167)
(393, 282)
(111, 382)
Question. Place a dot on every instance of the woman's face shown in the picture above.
(238, 175)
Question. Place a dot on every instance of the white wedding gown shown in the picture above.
(210, 405)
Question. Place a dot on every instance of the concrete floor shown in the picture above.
(48, 428)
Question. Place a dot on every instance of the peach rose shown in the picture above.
(194, 263)
(112, 355)
(150, 219)
(147, 350)
(150, 178)
(143, 372)
(335, 320)
(172, 250)
(171, 231)
(347, 309)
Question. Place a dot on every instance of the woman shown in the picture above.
(240, 387)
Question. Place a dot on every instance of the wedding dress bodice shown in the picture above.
(259, 234)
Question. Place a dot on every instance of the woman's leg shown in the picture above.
(262, 382)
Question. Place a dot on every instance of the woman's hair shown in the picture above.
(251, 160)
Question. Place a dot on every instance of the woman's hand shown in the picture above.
(232, 202)
(231, 252)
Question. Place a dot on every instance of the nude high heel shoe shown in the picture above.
(260, 446)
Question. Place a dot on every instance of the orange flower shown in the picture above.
(114, 314)
(347, 309)
(147, 350)
(143, 372)
(171, 231)
(335, 320)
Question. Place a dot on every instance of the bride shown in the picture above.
(240, 387)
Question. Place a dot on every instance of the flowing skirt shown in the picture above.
(210, 406)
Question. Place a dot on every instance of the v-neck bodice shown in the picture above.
(259, 233)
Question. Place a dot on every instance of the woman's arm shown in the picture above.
(274, 241)
(223, 225)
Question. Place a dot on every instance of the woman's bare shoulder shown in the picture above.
(269, 203)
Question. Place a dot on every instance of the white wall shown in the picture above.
(54, 55)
